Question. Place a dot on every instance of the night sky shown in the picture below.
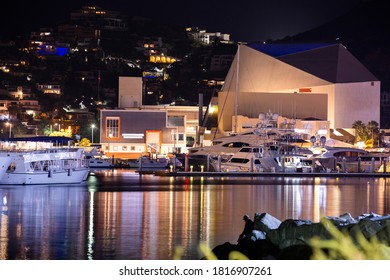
(254, 20)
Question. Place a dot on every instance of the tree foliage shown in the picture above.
(369, 134)
(84, 142)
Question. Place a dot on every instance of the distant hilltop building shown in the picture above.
(207, 37)
(108, 20)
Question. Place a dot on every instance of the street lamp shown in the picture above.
(59, 126)
(10, 129)
(92, 128)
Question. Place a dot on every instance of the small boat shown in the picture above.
(96, 159)
(337, 158)
(146, 163)
(96, 162)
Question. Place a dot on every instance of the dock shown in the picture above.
(265, 174)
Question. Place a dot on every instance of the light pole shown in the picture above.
(92, 128)
(10, 129)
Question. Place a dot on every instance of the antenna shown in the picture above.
(237, 88)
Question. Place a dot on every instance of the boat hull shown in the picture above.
(146, 165)
(100, 163)
(70, 176)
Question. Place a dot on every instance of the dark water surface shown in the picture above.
(118, 214)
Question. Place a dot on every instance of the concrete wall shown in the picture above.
(130, 92)
(356, 101)
(273, 85)
(289, 105)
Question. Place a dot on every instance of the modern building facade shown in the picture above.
(134, 129)
(128, 133)
(298, 81)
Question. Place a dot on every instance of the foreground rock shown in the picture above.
(269, 238)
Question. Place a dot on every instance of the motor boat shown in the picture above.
(42, 167)
(145, 162)
(267, 158)
(96, 159)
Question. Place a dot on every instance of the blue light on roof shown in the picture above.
(278, 50)
(62, 51)
(50, 50)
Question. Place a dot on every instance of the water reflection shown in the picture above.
(119, 214)
(41, 222)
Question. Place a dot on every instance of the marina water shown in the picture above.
(118, 214)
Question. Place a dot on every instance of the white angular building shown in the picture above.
(302, 81)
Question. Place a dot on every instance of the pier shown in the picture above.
(264, 174)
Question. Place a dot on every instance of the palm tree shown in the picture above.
(368, 134)
(372, 130)
(360, 131)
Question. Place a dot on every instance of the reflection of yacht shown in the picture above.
(47, 166)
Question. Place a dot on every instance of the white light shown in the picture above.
(361, 145)
(335, 132)
(133, 135)
(322, 131)
(300, 130)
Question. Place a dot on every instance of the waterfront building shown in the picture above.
(298, 81)
(134, 129)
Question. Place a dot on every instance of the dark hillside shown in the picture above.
(365, 31)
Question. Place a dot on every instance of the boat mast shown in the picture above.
(237, 88)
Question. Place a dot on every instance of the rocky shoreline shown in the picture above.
(266, 237)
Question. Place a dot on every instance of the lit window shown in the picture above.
(112, 127)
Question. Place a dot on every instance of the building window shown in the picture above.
(175, 121)
(112, 127)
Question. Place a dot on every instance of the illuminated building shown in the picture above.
(299, 81)
(207, 38)
(134, 129)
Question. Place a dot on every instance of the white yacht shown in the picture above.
(145, 162)
(97, 159)
(224, 146)
(265, 131)
(349, 159)
(41, 167)
(266, 158)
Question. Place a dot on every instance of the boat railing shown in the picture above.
(40, 151)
